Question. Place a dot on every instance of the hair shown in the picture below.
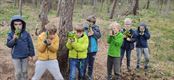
(79, 27)
(51, 28)
(115, 24)
(91, 18)
(128, 20)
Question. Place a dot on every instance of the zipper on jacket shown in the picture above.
(48, 54)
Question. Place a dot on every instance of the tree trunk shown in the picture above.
(94, 4)
(65, 25)
(136, 7)
(113, 9)
(34, 2)
(81, 3)
(108, 6)
(148, 4)
(101, 8)
(20, 7)
(167, 8)
(43, 14)
(58, 7)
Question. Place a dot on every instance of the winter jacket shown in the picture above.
(115, 43)
(129, 45)
(79, 48)
(47, 52)
(23, 46)
(93, 40)
(141, 40)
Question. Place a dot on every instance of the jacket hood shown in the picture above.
(17, 18)
(143, 24)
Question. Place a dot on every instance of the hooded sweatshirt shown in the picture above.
(93, 39)
(22, 47)
(141, 40)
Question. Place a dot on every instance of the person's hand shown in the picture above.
(47, 42)
(110, 33)
(141, 33)
(90, 33)
(124, 36)
(128, 39)
(30, 59)
(71, 40)
(15, 36)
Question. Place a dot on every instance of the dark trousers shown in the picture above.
(128, 56)
(90, 63)
(113, 62)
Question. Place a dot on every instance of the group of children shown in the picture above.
(83, 47)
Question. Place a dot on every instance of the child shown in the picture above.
(20, 42)
(78, 47)
(94, 34)
(141, 45)
(114, 40)
(47, 46)
(128, 42)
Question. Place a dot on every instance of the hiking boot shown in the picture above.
(137, 68)
(145, 68)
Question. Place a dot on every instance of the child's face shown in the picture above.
(90, 23)
(142, 28)
(18, 24)
(115, 29)
(51, 35)
(127, 26)
(79, 33)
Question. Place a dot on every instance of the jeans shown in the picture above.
(128, 56)
(89, 64)
(79, 64)
(51, 65)
(145, 51)
(20, 66)
(113, 61)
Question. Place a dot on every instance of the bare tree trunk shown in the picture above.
(59, 7)
(81, 3)
(108, 6)
(34, 2)
(101, 8)
(113, 9)
(43, 14)
(136, 7)
(15, 2)
(65, 25)
(20, 7)
(94, 4)
(167, 8)
(148, 4)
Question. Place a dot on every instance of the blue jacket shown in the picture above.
(23, 46)
(93, 40)
(129, 45)
(141, 40)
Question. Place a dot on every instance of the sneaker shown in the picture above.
(89, 77)
(109, 77)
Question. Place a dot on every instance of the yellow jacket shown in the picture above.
(47, 52)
